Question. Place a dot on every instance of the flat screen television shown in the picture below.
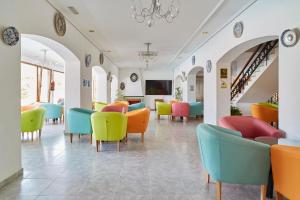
(158, 87)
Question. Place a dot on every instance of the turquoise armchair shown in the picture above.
(229, 158)
(79, 122)
(196, 109)
(32, 121)
(136, 106)
(53, 111)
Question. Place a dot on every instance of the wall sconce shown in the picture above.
(183, 77)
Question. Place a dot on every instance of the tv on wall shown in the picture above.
(158, 87)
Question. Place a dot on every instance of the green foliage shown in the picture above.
(119, 95)
(235, 111)
(178, 94)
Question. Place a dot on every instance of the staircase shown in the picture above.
(255, 74)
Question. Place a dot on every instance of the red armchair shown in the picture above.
(180, 109)
(250, 127)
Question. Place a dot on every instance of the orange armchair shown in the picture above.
(138, 121)
(285, 167)
(265, 113)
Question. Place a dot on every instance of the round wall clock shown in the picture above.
(238, 29)
(122, 85)
(208, 66)
(88, 60)
(288, 38)
(134, 77)
(60, 24)
(11, 36)
(101, 58)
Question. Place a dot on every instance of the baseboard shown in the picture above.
(11, 178)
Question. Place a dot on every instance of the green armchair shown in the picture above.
(32, 121)
(229, 158)
(109, 126)
(163, 109)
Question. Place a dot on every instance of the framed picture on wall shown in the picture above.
(223, 73)
(191, 88)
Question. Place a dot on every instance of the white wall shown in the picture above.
(138, 88)
(254, 19)
(100, 84)
(29, 20)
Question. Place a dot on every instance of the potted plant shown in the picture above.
(178, 94)
(119, 95)
(235, 111)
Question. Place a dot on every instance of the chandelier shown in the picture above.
(147, 55)
(142, 14)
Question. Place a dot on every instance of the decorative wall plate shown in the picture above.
(11, 36)
(60, 24)
(238, 29)
(134, 77)
(208, 66)
(88, 60)
(288, 38)
(193, 60)
(122, 85)
(101, 59)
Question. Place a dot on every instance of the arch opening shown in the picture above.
(99, 84)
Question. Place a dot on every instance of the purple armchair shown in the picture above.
(250, 127)
(180, 109)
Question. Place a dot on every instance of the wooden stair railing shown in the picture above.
(261, 54)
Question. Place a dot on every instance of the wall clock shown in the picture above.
(60, 24)
(122, 85)
(288, 38)
(208, 66)
(134, 77)
(88, 60)
(101, 58)
(11, 36)
(238, 29)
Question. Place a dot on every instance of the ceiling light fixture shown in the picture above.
(73, 10)
(147, 55)
(142, 14)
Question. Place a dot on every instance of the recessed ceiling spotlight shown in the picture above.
(92, 31)
(73, 10)
(204, 33)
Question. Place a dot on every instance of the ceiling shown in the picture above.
(34, 52)
(117, 31)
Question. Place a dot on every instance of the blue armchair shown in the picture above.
(136, 106)
(79, 122)
(229, 158)
(196, 109)
(53, 111)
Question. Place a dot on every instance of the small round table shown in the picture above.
(269, 141)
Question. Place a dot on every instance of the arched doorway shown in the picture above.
(62, 60)
(114, 88)
(99, 84)
(224, 72)
(195, 81)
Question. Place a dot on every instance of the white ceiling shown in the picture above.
(117, 31)
(33, 52)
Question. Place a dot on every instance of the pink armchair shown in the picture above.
(180, 109)
(114, 108)
(250, 127)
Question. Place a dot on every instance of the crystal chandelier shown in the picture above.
(142, 14)
(147, 55)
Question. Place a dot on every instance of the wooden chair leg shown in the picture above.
(142, 134)
(91, 139)
(219, 190)
(279, 196)
(207, 178)
(40, 133)
(97, 145)
(79, 136)
(118, 146)
(23, 135)
(263, 192)
(71, 137)
(158, 116)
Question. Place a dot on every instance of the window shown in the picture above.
(45, 84)
(28, 84)
(59, 92)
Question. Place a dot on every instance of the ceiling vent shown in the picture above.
(73, 10)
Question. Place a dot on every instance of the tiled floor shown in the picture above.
(166, 166)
